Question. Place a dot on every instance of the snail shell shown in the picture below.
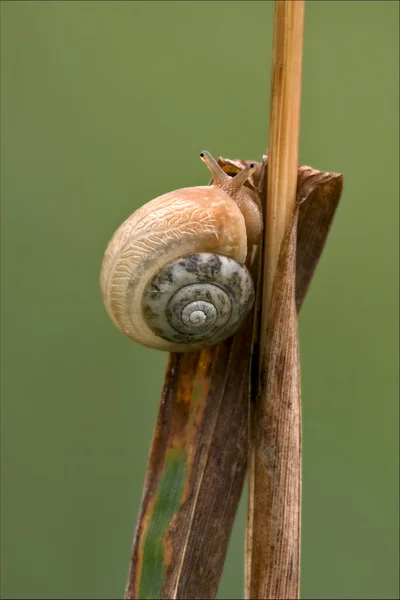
(200, 296)
(173, 275)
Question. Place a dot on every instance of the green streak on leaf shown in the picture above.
(167, 504)
(197, 392)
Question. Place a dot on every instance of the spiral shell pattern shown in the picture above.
(199, 299)
(174, 225)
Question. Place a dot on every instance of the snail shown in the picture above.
(173, 276)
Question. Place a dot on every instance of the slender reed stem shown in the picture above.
(283, 134)
(273, 538)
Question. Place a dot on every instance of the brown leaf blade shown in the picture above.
(273, 529)
(277, 460)
(318, 195)
(189, 504)
(199, 450)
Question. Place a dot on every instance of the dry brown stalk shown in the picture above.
(284, 131)
(273, 537)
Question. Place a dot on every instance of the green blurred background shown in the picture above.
(105, 105)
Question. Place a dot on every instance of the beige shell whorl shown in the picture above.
(179, 223)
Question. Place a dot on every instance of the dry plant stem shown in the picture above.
(273, 538)
(283, 133)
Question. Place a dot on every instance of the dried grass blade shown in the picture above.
(195, 475)
(276, 420)
(318, 195)
(275, 519)
(274, 491)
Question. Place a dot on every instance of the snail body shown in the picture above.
(173, 275)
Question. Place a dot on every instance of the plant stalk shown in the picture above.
(284, 133)
(273, 536)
